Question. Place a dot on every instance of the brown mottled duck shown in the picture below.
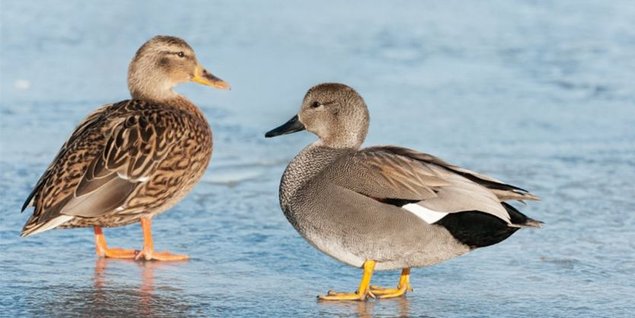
(131, 160)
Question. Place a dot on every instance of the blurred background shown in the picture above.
(537, 93)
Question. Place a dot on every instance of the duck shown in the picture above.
(385, 207)
(130, 160)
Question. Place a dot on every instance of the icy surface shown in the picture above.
(538, 93)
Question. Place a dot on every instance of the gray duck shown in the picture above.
(385, 207)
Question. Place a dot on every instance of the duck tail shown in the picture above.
(33, 226)
(520, 220)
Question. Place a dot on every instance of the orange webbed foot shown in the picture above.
(103, 250)
(117, 253)
(148, 255)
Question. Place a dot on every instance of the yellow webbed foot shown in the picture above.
(357, 296)
(383, 293)
(362, 292)
(402, 287)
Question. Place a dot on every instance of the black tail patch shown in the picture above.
(520, 219)
(477, 229)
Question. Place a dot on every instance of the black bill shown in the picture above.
(293, 125)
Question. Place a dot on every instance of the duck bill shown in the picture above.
(293, 125)
(203, 77)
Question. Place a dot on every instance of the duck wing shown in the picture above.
(91, 120)
(502, 190)
(423, 184)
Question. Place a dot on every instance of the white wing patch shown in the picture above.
(429, 216)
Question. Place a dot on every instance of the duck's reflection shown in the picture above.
(404, 306)
(116, 292)
(397, 307)
(104, 293)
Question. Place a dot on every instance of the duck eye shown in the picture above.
(316, 104)
(181, 54)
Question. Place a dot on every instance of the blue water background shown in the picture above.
(540, 94)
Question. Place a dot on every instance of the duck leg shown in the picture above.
(148, 253)
(102, 248)
(402, 287)
(361, 292)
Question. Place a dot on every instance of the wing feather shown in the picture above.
(394, 174)
(110, 154)
(87, 124)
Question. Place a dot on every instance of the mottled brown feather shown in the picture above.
(126, 160)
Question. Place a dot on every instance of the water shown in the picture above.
(537, 93)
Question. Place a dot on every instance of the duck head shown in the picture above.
(163, 62)
(334, 112)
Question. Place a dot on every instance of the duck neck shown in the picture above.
(304, 167)
(345, 137)
(146, 82)
(157, 90)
